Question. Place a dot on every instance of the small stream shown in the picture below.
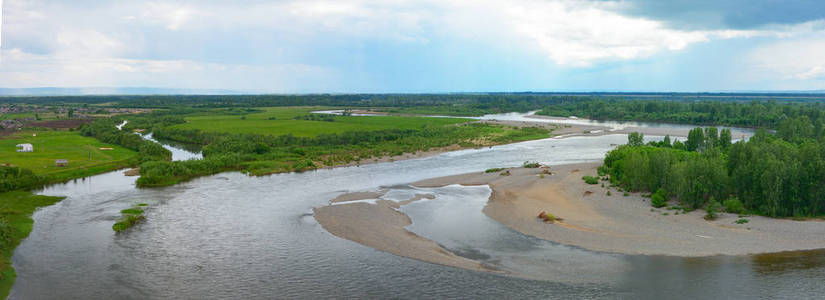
(231, 236)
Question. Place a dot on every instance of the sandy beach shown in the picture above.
(626, 224)
(591, 220)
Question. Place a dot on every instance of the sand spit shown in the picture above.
(625, 224)
(381, 226)
(591, 220)
(357, 196)
(662, 130)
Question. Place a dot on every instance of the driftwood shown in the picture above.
(548, 218)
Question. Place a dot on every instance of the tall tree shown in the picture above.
(635, 139)
(725, 138)
(696, 139)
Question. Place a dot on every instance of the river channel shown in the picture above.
(231, 236)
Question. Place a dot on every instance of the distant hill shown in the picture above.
(58, 91)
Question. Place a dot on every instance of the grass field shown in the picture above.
(12, 116)
(45, 116)
(284, 123)
(16, 209)
(52, 145)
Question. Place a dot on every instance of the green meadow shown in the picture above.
(83, 154)
(280, 120)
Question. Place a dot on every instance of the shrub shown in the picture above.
(590, 179)
(608, 193)
(602, 170)
(493, 170)
(712, 209)
(742, 221)
(5, 234)
(659, 198)
(548, 217)
(531, 165)
(126, 222)
(132, 211)
(734, 206)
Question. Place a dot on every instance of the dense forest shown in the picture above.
(451, 104)
(778, 175)
(769, 114)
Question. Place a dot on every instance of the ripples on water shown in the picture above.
(239, 237)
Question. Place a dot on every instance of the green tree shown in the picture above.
(711, 137)
(725, 139)
(635, 139)
(695, 140)
(712, 209)
(666, 141)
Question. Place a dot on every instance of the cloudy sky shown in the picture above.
(415, 46)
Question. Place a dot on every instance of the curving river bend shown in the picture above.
(240, 237)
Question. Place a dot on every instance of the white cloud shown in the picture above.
(575, 33)
(802, 59)
(140, 42)
(172, 15)
(23, 69)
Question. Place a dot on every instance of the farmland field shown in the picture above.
(83, 153)
(280, 120)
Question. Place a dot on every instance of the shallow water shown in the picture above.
(240, 237)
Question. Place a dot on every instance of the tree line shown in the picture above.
(264, 154)
(105, 131)
(777, 175)
(756, 114)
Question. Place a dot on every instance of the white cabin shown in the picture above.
(25, 148)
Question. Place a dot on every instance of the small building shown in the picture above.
(61, 163)
(25, 148)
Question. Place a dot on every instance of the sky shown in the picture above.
(388, 46)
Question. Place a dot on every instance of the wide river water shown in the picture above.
(232, 236)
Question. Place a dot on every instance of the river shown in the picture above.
(234, 236)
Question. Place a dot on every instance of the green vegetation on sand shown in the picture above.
(131, 216)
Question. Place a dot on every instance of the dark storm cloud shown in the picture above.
(731, 14)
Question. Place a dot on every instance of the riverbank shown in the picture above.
(590, 219)
(17, 209)
(626, 224)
